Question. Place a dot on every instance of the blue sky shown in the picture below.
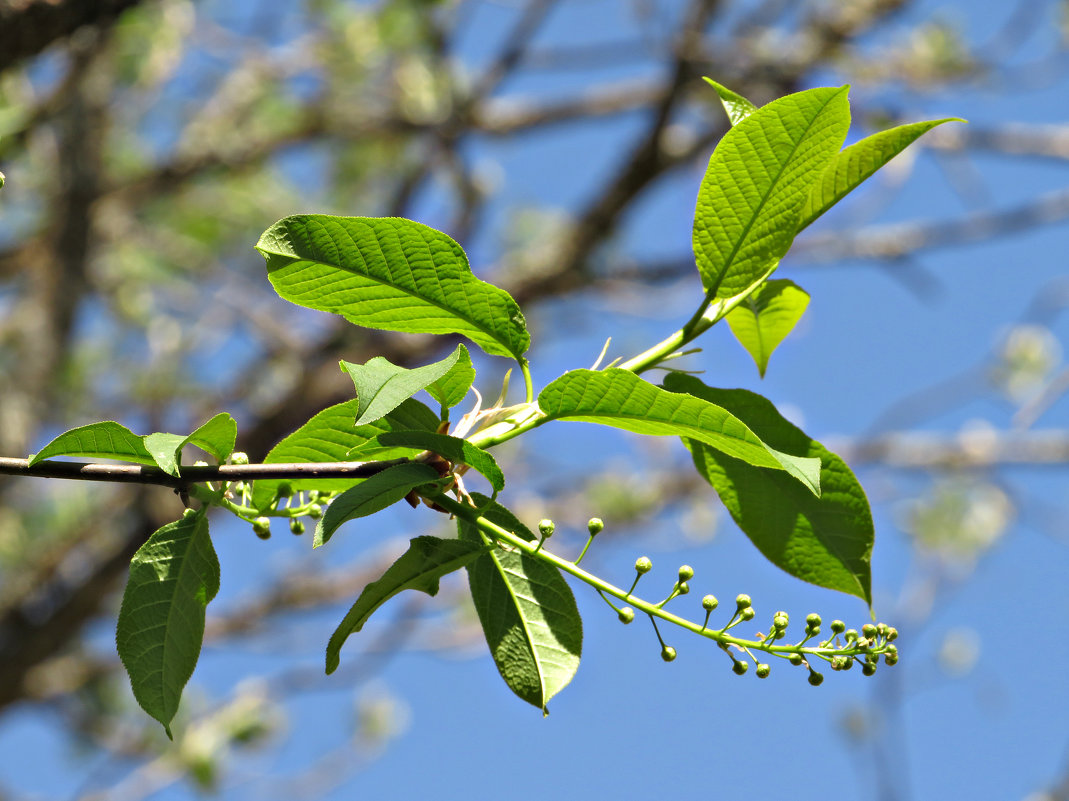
(629, 725)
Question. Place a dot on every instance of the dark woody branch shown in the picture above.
(190, 474)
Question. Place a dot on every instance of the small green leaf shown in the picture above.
(457, 451)
(173, 577)
(762, 321)
(737, 107)
(382, 386)
(757, 182)
(372, 495)
(330, 436)
(164, 449)
(450, 389)
(419, 568)
(527, 611)
(854, 165)
(217, 437)
(621, 399)
(106, 440)
(392, 274)
(827, 540)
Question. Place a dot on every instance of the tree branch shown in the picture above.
(190, 474)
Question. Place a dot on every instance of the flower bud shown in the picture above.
(315, 511)
(285, 490)
(261, 527)
(892, 634)
(626, 615)
(868, 631)
(747, 613)
(812, 621)
(686, 573)
(869, 669)
(742, 601)
(837, 627)
(740, 667)
(780, 621)
(594, 526)
(668, 653)
(795, 659)
(545, 528)
(643, 564)
(682, 588)
(296, 526)
(816, 679)
(239, 457)
(709, 603)
(763, 670)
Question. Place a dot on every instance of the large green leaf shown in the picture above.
(527, 611)
(392, 274)
(737, 107)
(621, 399)
(757, 182)
(372, 495)
(419, 568)
(173, 577)
(767, 315)
(457, 451)
(855, 164)
(450, 389)
(382, 386)
(826, 540)
(330, 436)
(106, 440)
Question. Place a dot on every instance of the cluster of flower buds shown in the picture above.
(841, 650)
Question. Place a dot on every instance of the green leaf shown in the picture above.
(173, 577)
(855, 164)
(330, 436)
(827, 540)
(392, 274)
(456, 450)
(372, 495)
(757, 182)
(382, 386)
(106, 440)
(762, 321)
(527, 611)
(450, 389)
(109, 440)
(218, 436)
(621, 399)
(737, 107)
(164, 449)
(419, 568)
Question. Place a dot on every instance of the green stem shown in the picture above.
(516, 542)
(528, 384)
(709, 313)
